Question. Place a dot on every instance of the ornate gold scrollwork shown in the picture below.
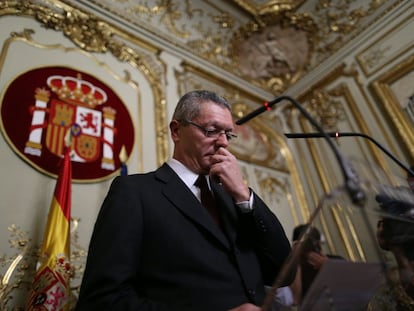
(20, 268)
(327, 110)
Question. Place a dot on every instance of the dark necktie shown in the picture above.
(207, 199)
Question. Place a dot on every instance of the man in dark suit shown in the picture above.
(155, 247)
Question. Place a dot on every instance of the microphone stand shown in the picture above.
(351, 180)
(352, 185)
(353, 134)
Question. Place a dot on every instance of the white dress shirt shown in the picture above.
(189, 178)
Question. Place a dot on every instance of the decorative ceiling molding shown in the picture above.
(292, 37)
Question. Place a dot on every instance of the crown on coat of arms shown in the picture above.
(76, 91)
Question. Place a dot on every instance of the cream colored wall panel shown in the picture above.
(388, 47)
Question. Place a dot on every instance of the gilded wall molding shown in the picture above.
(333, 90)
(339, 21)
(280, 188)
(385, 89)
(351, 72)
(333, 212)
(342, 90)
(327, 110)
(384, 50)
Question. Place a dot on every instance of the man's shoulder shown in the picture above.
(164, 172)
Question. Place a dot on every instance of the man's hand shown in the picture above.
(225, 168)
(316, 260)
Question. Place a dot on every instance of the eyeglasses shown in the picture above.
(213, 133)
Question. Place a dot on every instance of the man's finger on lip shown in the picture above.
(221, 150)
(215, 156)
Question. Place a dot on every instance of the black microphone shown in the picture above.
(351, 179)
(354, 134)
(254, 113)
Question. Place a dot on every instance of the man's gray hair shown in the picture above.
(188, 107)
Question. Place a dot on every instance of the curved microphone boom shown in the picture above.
(354, 134)
(351, 180)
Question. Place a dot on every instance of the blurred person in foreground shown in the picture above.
(155, 247)
(311, 259)
(395, 233)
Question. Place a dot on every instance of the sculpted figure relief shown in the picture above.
(276, 51)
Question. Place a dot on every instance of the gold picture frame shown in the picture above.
(383, 51)
(393, 92)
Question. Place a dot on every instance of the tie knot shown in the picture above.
(201, 182)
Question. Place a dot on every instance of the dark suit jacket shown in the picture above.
(155, 248)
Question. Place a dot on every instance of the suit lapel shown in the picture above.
(184, 200)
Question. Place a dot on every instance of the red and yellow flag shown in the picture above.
(50, 288)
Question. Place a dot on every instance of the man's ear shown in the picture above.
(174, 128)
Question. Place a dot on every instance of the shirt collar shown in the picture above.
(185, 174)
